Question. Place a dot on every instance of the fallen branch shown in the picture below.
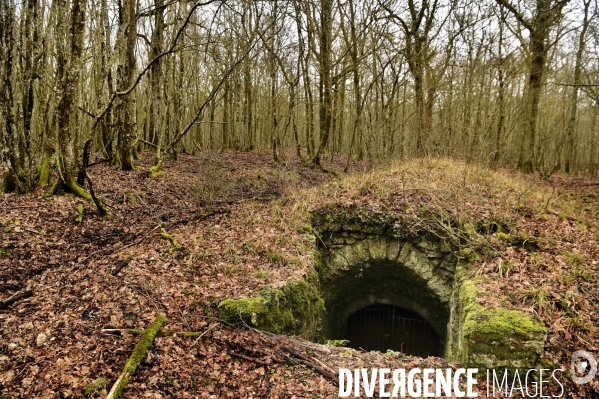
(174, 243)
(287, 353)
(271, 348)
(133, 331)
(138, 354)
(121, 264)
(104, 250)
(564, 216)
(15, 298)
(147, 143)
(318, 369)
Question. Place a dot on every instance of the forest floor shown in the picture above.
(225, 225)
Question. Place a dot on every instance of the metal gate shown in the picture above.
(383, 327)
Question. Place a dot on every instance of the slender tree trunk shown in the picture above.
(353, 53)
(274, 126)
(248, 106)
(226, 117)
(326, 25)
(500, 95)
(10, 146)
(428, 112)
(571, 135)
(594, 155)
(30, 42)
(107, 122)
(69, 83)
(538, 53)
(418, 74)
(156, 76)
(126, 112)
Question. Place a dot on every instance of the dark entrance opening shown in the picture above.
(382, 327)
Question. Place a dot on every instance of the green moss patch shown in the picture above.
(80, 211)
(336, 217)
(155, 171)
(498, 323)
(168, 237)
(498, 337)
(295, 308)
(96, 387)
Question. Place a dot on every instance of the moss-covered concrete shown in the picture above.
(495, 337)
(295, 308)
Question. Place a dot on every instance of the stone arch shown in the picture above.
(359, 270)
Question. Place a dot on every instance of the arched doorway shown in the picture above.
(383, 327)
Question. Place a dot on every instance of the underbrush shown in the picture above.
(220, 184)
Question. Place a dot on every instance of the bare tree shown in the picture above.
(571, 135)
(125, 108)
(325, 69)
(544, 16)
(10, 151)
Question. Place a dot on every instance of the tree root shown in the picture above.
(71, 186)
(156, 170)
(13, 181)
(317, 166)
(138, 354)
(95, 199)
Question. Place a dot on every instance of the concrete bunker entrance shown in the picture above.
(383, 327)
(363, 270)
(384, 293)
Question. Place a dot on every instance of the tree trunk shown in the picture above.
(70, 78)
(326, 26)
(500, 95)
(126, 76)
(155, 116)
(571, 135)
(10, 149)
(544, 17)
(538, 53)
